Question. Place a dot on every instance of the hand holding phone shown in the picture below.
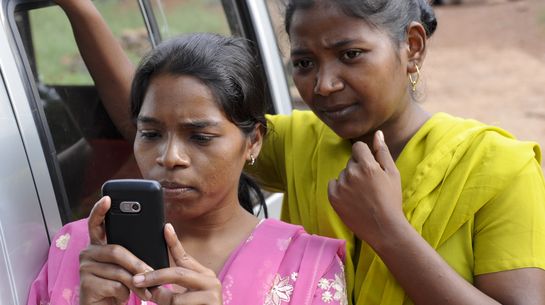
(136, 219)
(206, 288)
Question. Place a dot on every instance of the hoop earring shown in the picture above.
(414, 81)
(252, 160)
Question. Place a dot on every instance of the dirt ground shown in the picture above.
(487, 61)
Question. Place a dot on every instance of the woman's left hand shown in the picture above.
(367, 193)
(201, 284)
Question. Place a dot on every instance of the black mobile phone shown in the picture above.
(136, 219)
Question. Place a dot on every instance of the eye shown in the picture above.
(149, 134)
(303, 64)
(351, 54)
(201, 139)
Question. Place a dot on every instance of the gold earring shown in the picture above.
(414, 81)
(252, 160)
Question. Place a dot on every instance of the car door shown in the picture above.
(23, 238)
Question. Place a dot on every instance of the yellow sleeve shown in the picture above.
(510, 229)
(269, 167)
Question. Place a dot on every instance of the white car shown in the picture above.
(57, 144)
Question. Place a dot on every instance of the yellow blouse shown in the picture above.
(471, 190)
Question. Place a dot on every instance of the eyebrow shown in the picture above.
(146, 119)
(334, 45)
(189, 124)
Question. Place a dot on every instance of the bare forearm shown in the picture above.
(107, 62)
(422, 272)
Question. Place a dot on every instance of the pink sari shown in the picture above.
(278, 264)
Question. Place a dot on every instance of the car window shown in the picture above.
(87, 148)
(177, 17)
(55, 54)
(276, 13)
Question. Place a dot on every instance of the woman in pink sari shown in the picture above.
(199, 110)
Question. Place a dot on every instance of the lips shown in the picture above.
(175, 189)
(338, 112)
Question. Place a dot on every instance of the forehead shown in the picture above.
(327, 24)
(179, 95)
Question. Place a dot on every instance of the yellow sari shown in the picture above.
(459, 179)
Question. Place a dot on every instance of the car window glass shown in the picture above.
(276, 10)
(178, 17)
(87, 146)
(56, 57)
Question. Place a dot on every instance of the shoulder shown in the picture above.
(76, 228)
(61, 269)
(73, 235)
(478, 139)
(312, 267)
(299, 238)
(293, 121)
(289, 131)
(294, 116)
(499, 152)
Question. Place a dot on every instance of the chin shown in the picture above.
(177, 211)
(348, 133)
(349, 129)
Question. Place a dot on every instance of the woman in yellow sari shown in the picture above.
(457, 218)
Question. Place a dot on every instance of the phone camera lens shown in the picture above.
(136, 207)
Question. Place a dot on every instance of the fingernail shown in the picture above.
(170, 228)
(139, 278)
(380, 136)
(148, 294)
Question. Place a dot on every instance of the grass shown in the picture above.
(57, 57)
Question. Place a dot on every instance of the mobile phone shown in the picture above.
(136, 219)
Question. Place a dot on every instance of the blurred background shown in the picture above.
(487, 61)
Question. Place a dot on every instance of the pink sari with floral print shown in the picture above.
(278, 264)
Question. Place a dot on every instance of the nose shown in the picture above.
(327, 82)
(173, 155)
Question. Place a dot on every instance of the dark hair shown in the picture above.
(231, 71)
(394, 16)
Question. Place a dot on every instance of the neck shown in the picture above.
(223, 219)
(399, 129)
(211, 238)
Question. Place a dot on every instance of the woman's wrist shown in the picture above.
(392, 237)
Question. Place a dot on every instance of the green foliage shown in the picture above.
(55, 51)
(195, 16)
(57, 56)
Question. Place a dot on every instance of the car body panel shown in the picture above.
(23, 237)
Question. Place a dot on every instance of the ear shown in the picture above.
(255, 140)
(416, 46)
